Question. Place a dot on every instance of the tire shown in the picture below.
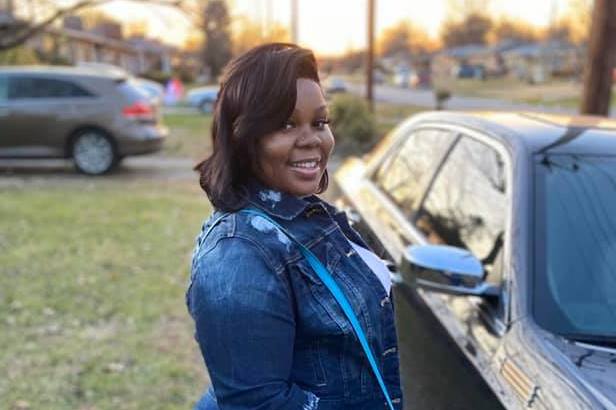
(93, 152)
(206, 107)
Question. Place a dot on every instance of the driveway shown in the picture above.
(150, 167)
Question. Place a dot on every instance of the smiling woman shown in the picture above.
(293, 159)
(282, 289)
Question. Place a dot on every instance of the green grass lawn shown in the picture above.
(92, 280)
(555, 92)
(189, 135)
(390, 115)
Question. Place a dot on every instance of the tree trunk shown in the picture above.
(601, 59)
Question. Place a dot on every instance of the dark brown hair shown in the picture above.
(257, 96)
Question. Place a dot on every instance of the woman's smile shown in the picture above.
(307, 168)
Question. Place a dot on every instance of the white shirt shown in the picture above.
(376, 264)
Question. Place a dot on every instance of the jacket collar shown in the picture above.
(278, 203)
(289, 207)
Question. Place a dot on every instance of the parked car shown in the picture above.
(96, 118)
(153, 89)
(503, 226)
(477, 71)
(335, 85)
(406, 77)
(420, 79)
(203, 98)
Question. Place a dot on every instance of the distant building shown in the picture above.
(72, 44)
(447, 61)
(538, 62)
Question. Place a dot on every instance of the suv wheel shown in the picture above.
(94, 152)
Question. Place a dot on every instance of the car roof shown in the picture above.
(538, 132)
(61, 71)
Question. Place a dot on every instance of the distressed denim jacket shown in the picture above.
(271, 334)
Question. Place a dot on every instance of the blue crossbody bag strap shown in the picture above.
(335, 290)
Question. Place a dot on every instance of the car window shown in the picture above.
(574, 290)
(403, 176)
(32, 87)
(466, 205)
(132, 91)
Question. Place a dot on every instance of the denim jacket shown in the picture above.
(271, 334)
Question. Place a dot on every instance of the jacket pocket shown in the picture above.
(319, 309)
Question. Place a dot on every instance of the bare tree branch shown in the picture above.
(15, 32)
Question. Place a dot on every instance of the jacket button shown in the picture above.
(384, 300)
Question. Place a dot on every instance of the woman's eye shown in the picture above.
(320, 124)
(288, 125)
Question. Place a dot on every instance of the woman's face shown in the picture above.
(293, 159)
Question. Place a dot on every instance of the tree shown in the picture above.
(247, 34)
(510, 29)
(217, 50)
(561, 30)
(580, 16)
(459, 10)
(403, 40)
(473, 29)
(16, 30)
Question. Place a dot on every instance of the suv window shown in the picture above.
(32, 87)
(466, 205)
(403, 176)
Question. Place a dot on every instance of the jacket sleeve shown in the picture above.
(245, 327)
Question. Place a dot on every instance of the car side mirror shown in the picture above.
(445, 269)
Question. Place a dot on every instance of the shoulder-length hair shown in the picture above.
(257, 96)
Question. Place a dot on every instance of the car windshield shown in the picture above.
(575, 245)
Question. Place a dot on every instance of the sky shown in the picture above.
(333, 26)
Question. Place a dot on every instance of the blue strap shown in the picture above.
(331, 284)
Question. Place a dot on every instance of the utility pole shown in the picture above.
(601, 59)
(294, 28)
(370, 56)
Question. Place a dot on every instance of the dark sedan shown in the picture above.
(503, 225)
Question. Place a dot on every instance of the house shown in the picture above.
(72, 44)
(537, 62)
(490, 58)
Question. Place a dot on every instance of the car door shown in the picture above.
(389, 204)
(468, 206)
(37, 108)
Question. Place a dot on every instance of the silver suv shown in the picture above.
(95, 118)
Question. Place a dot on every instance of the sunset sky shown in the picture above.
(332, 26)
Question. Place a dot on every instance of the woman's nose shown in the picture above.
(308, 137)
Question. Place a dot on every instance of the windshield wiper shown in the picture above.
(599, 340)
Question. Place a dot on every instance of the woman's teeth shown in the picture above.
(304, 164)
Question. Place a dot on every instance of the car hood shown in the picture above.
(595, 368)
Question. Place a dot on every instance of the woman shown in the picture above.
(272, 335)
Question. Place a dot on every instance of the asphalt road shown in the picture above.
(425, 98)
